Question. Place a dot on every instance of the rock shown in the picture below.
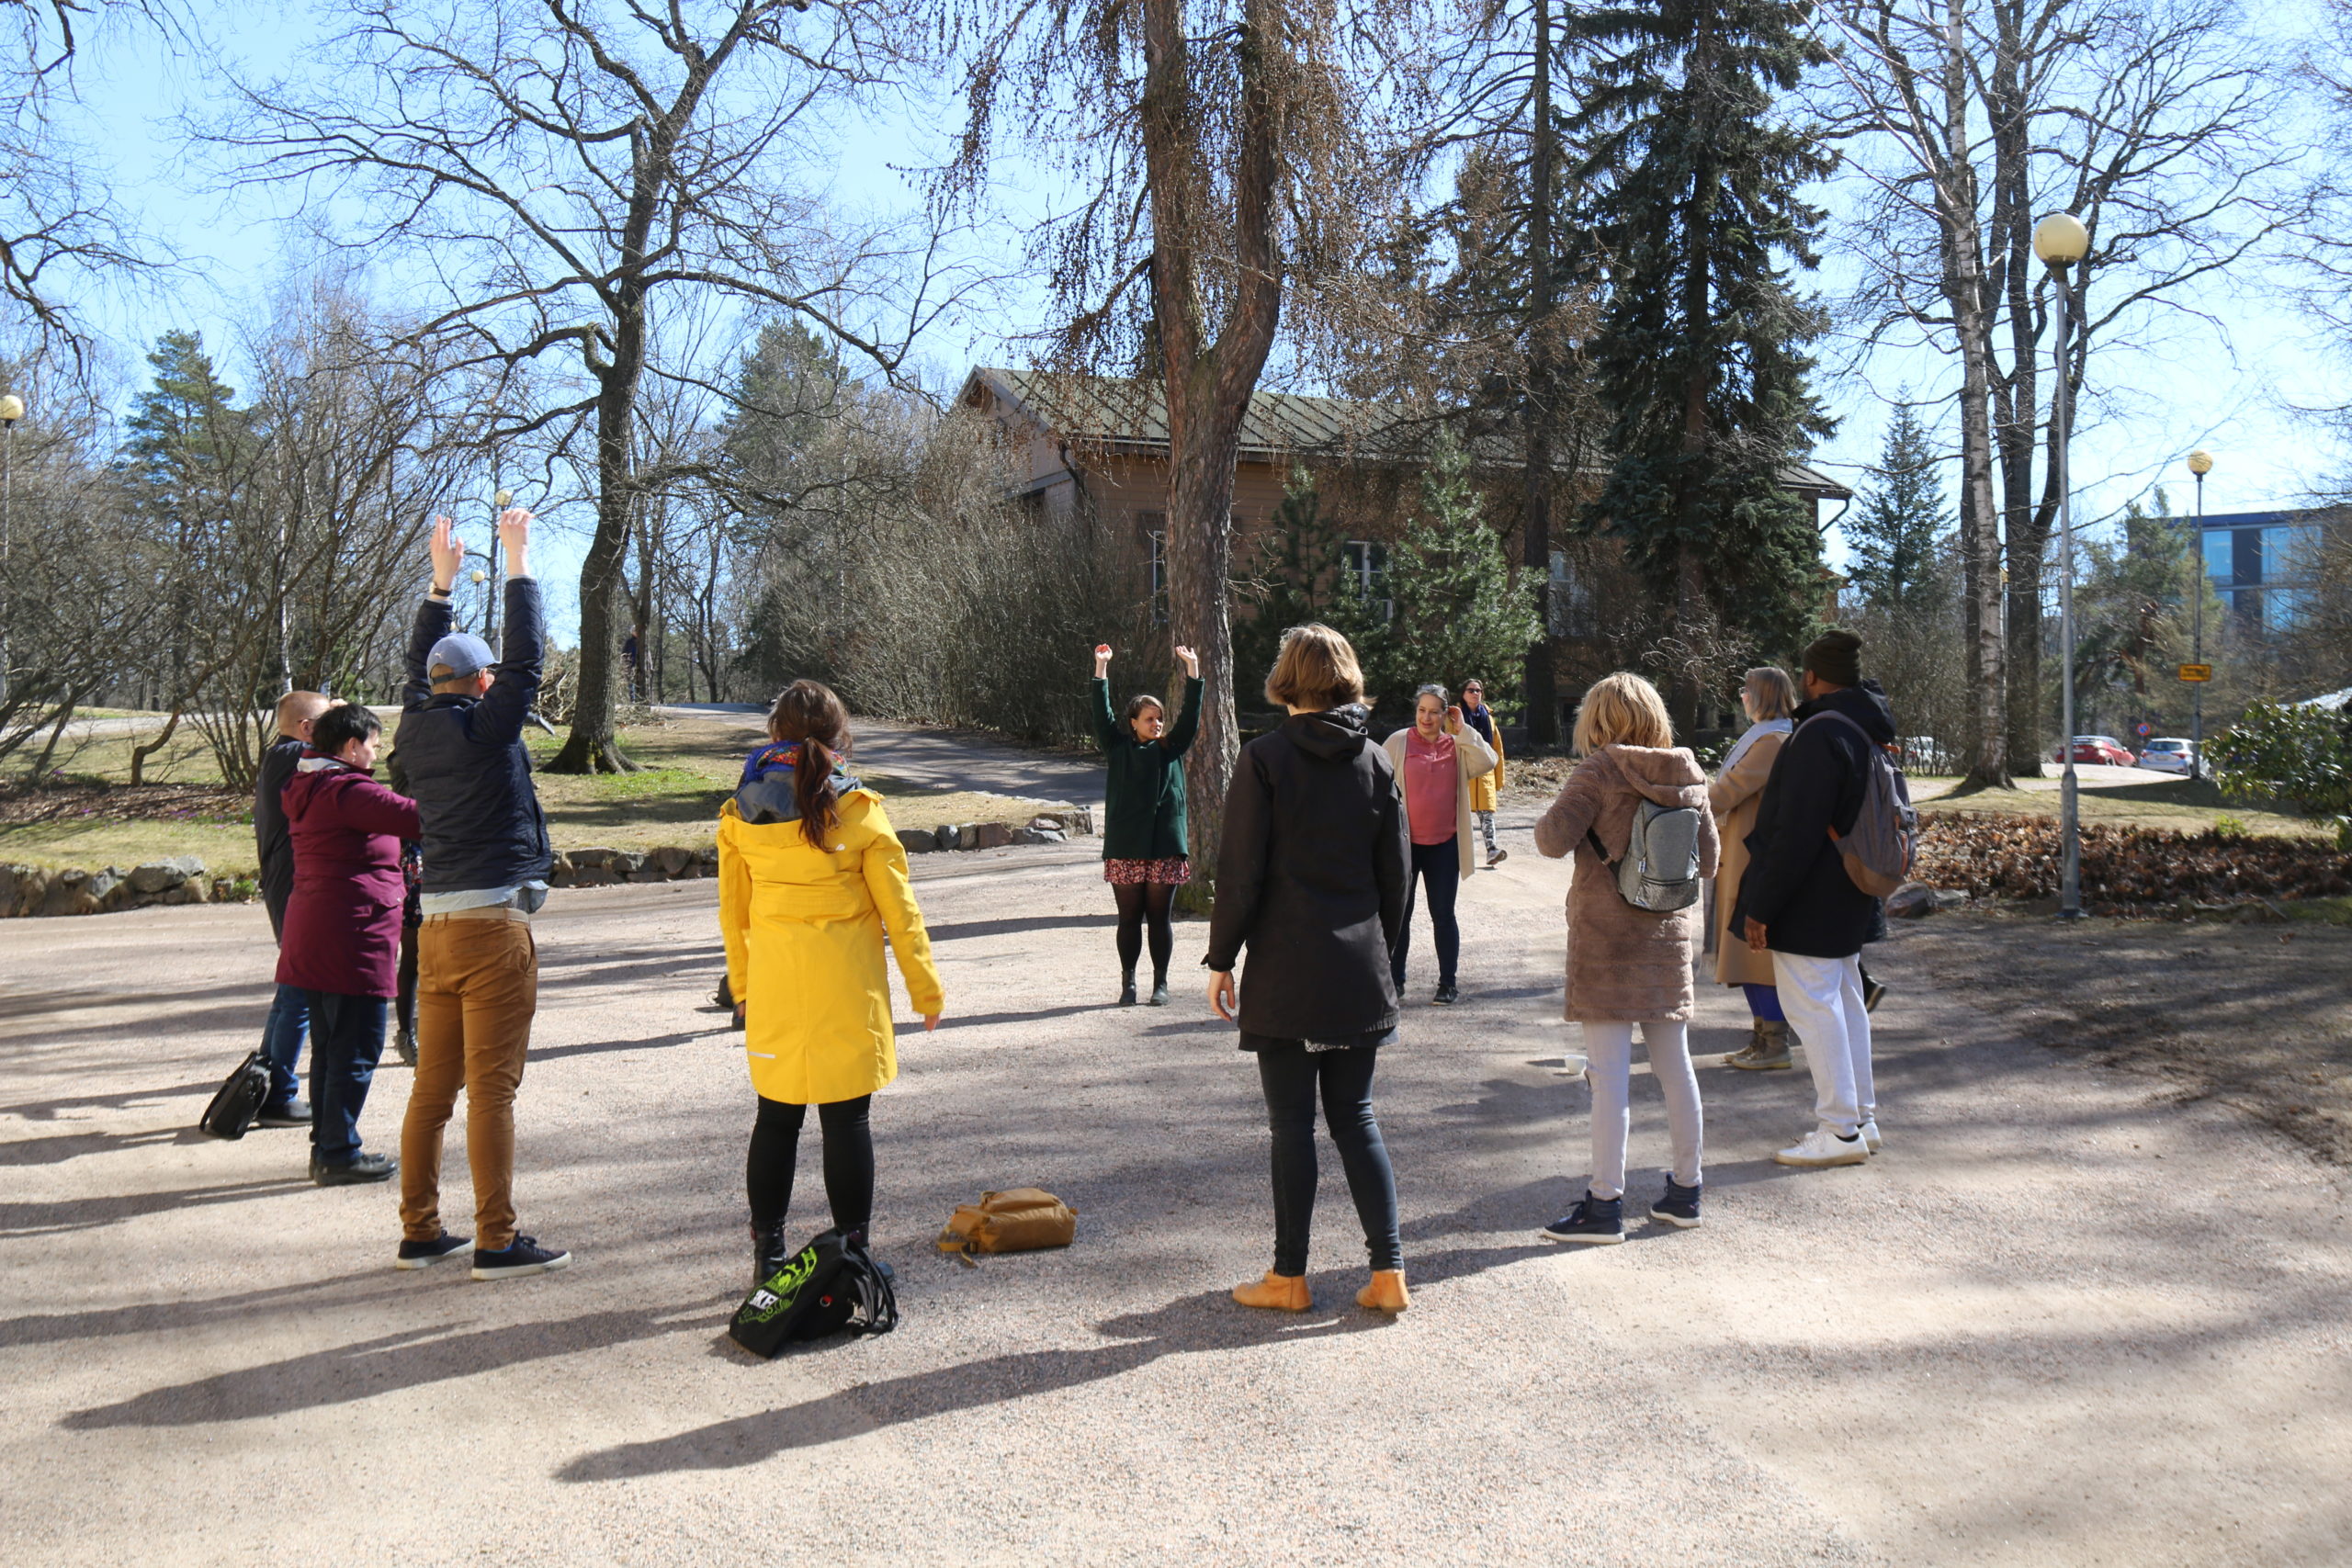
(32, 886)
(1911, 901)
(626, 862)
(102, 885)
(994, 835)
(944, 837)
(559, 866)
(1951, 897)
(918, 840)
(10, 888)
(1039, 836)
(186, 893)
(2258, 912)
(648, 874)
(671, 860)
(1079, 822)
(591, 857)
(68, 894)
(156, 876)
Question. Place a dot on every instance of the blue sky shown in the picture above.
(2227, 380)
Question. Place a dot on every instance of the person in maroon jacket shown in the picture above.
(341, 938)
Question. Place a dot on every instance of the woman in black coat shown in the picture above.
(1311, 877)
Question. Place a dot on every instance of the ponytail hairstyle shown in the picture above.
(807, 716)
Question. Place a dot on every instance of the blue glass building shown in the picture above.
(2260, 561)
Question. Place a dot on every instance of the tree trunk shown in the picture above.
(1980, 514)
(1541, 686)
(1204, 442)
(593, 745)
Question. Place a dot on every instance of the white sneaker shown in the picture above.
(1870, 1140)
(1822, 1147)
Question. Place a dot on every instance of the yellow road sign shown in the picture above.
(2196, 671)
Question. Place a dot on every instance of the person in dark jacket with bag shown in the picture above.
(342, 937)
(1145, 857)
(1311, 877)
(289, 1019)
(1797, 902)
(486, 863)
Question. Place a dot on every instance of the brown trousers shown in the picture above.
(478, 984)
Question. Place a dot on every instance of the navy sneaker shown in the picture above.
(1678, 1208)
(525, 1256)
(1594, 1222)
(1447, 994)
(356, 1171)
(425, 1254)
(295, 1112)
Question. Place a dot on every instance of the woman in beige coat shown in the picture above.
(1628, 965)
(1768, 697)
(1435, 761)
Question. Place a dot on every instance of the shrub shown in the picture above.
(2300, 755)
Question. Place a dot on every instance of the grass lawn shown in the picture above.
(2181, 805)
(690, 767)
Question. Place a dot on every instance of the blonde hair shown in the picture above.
(1315, 669)
(1622, 710)
(1769, 692)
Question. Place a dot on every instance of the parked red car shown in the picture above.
(2098, 748)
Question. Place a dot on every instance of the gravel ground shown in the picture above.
(2063, 1319)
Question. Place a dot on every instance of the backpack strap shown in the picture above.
(1594, 840)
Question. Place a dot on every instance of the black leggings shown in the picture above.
(1144, 904)
(1290, 1075)
(849, 1161)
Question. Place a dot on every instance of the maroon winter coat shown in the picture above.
(343, 922)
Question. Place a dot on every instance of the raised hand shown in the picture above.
(515, 533)
(1101, 660)
(1452, 720)
(449, 554)
(1192, 661)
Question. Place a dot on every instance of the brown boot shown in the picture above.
(1282, 1293)
(1386, 1292)
(1767, 1049)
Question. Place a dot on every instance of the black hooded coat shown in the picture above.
(1311, 878)
(1796, 883)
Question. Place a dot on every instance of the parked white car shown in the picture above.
(2169, 754)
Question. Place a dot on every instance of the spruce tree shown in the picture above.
(1701, 348)
(1460, 609)
(1898, 527)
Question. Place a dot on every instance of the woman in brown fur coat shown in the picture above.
(1628, 965)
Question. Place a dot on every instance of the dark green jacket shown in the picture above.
(1143, 799)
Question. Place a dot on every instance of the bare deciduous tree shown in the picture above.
(579, 171)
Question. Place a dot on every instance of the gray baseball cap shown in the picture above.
(464, 653)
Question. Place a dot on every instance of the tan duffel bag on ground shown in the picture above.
(1023, 1220)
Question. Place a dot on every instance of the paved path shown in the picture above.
(2062, 1320)
(928, 758)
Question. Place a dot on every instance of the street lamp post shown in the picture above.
(499, 503)
(2200, 463)
(2062, 242)
(12, 408)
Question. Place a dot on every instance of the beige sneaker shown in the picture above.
(1766, 1051)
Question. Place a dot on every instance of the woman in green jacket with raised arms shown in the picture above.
(1145, 858)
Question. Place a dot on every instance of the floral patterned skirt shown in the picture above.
(1173, 872)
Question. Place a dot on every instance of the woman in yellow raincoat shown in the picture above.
(810, 876)
(1488, 784)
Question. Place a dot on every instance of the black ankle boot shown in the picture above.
(1158, 991)
(1127, 989)
(768, 1253)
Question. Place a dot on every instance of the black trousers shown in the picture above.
(1438, 868)
(849, 1161)
(1291, 1077)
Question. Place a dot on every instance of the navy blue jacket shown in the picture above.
(271, 840)
(464, 760)
(1796, 882)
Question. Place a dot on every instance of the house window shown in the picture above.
(1367, 563)
(1568, 609)
(2220, 552)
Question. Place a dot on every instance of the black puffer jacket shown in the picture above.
(1311, 878)
(1796, 884)
(465, 763)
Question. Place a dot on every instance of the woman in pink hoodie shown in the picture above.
(341, 940)
(1626, 964)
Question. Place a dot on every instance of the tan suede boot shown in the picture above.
(1767, 1049)
(1386, 1292)
(1281, 1293)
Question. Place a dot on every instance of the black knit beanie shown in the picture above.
(1836, 657)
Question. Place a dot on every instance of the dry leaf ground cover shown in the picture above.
(2256, 1016)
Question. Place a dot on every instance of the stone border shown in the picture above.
(30, 890)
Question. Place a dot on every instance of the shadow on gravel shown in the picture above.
(89, 1213)
(960, 930)
(59, 1147)
(171, 1317)
(659, 1042)
(47, 1109)
(980, 1019)
(1208, 1320)
(410, 1359)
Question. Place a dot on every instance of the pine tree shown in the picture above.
(1460, 609)
(1302, 576)
(1701, 344)
(1898, 527)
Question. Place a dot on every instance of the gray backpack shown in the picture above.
(1885, 842)
(1661, 869)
